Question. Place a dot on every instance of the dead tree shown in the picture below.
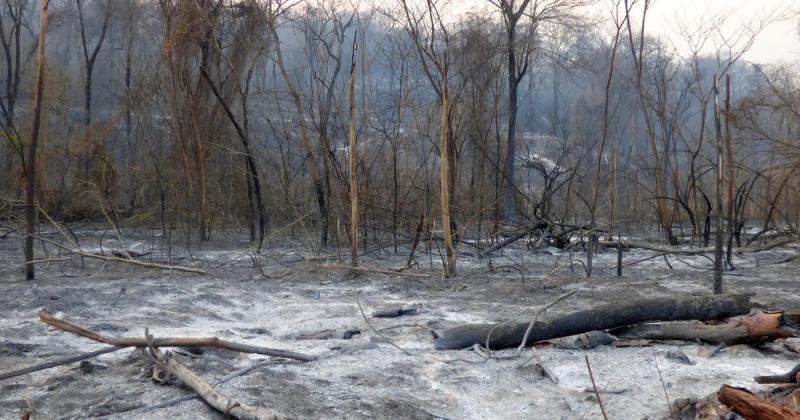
(30, 168)
(90, 54)
(435, 60)
(718, 185)
(352, 153)
(305, 141)
(10, 41)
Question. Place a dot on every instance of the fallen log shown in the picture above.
(751, 407)
(394, 312)
(604, 317)
(754, 328)
(224, 404)
(792, 376)
(170, 342)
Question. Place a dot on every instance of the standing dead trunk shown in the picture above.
(603, 137)
(30, 169)
(90, 58)
(444, 183)
(718, 185)
(516, 71)
(252, 169)
(351, 161)
(304, 140)
(730, 168)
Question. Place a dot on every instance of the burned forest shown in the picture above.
(399, 209)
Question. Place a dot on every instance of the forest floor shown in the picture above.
(365, 376)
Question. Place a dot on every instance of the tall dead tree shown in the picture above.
(637, 56)
(731, 210)
(90, 54)
(12, 17)
(305, 141)
(516, 71)
(432, 42)
(519, 54)
(30, 168)
(619, 22)
(352, 154)
(718, 186)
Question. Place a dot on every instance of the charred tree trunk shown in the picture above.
(600, 318)
(30, 169)
(351, 161)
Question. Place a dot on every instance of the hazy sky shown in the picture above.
(779, 41)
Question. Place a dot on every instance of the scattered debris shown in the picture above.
(224, 404)
(585, 341)
(679, 356)
(394, 312)
(330, 334)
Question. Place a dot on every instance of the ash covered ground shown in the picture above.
(292, 297)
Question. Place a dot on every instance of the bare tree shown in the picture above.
(90, 53)
(352, 153)
(30, 167)
(519, 53)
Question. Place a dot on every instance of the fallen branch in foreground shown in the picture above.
(170, 342)
(751, 407)
(59, 362)
(600, 318)
(754, 328)
(175, 401)
(226, 405)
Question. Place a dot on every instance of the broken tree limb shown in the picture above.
(170, 342)
(146, 264)
(141, 409)
(59, 362)
(513, 238)
(222, 403)
(754, 328)
(749, 406)
(374, 270)
(786, 378)
(394, 312)
(693, 251)
(414, 244)
(603, 317)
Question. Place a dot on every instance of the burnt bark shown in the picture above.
(603, 317)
